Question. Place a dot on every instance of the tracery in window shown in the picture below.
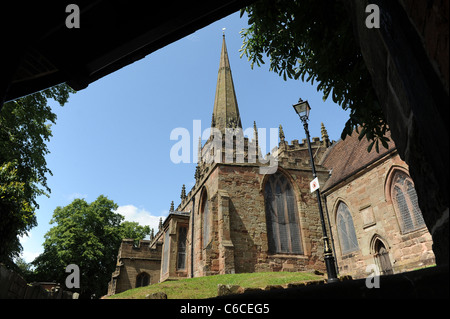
(182, 236)
(283, 229)
(346, 229)
(404, 197)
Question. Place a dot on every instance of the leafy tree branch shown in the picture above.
(313, 40)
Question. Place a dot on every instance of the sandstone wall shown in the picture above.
(407, 58)
(374, 217)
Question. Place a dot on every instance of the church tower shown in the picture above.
(226, 111)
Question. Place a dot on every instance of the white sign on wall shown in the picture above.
(314, 185)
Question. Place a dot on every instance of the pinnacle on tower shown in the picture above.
(152, 234)
(325, 138)
(171, 207)
(197, 174)
(281, 133)
(183, 192)
(199, 150)
(226, 111)
(160, 226)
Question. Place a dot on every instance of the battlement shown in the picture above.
(240, 150)
(128, 249)
(295, 145)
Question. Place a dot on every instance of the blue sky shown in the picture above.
(113, 138)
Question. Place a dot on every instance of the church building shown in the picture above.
(253, 213)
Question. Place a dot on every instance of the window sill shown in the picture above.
(296, 256)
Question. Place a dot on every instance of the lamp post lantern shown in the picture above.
(302, 108)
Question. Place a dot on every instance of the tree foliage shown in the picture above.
(25, 127)
(132, 230)
(313, 40)
(88, 235)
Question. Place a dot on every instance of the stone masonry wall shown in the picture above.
(238, 223)
(407, 58)
(430, 19)
(131, 261)
(374, 217)
(244, 186)
(13, 286)
(174, 223)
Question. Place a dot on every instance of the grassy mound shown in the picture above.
(206, 287)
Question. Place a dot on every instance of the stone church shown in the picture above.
(253, 213)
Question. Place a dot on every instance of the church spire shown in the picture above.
(226, 111)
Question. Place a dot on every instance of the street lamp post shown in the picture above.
(302, 108)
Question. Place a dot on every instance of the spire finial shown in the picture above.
(172, 208)
(223, 31)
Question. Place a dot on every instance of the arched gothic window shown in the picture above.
(142, 280)
(206, 234)
(346, 229)
(404, 197)
(283, 231)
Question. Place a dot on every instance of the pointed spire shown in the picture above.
(160, 226)
(325, 138)
(255, 131)
(171, 207)
(226, 111)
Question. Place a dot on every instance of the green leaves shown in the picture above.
(313, 40)
(17, 215)
(134, 230)
(376, 141)
(88, 235)
(25, 127)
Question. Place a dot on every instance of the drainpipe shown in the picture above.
(192, 236)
